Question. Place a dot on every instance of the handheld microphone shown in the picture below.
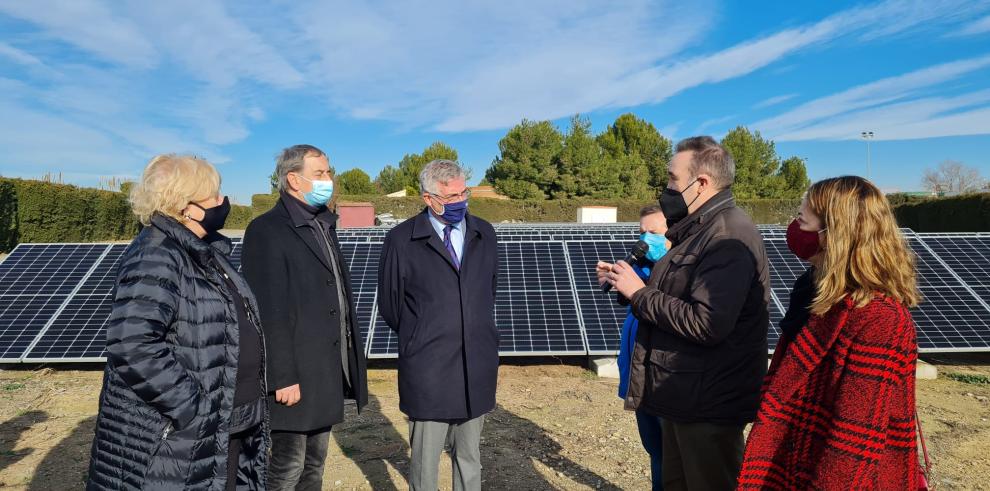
(638, 252)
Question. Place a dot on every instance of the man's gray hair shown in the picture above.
(710, 158)
(291, 160)
(439, 172)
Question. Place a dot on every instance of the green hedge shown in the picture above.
(37, 211)
(239, 218)
(969, 213)
(768, 211)
(261, 203)
(8, 215)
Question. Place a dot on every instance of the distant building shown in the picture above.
(597, 214)
(356, 215)
(398, 194)
(486, 192)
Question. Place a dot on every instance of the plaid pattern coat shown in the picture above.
(838, 405)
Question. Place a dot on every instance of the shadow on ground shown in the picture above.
(66, 464)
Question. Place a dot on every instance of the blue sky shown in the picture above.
(92, 89)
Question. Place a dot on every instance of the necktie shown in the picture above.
(450, 246)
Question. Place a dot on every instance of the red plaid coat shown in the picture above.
(838, 405)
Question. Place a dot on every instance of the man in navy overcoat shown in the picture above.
(436, 290)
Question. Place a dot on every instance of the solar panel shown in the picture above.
(951, 317)
(237, 247)
(384, 343)
(55, 298)
(967, 256)
(772, 231)
(535, 309)
(21, 319)
(785, 268)
(362, 263)
(602, 316)
(776, 310)
(47, 269)
(78, 331)
(35, 281)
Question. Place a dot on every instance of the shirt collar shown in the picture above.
(439, 225)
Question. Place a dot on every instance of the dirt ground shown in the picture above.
(557, 426)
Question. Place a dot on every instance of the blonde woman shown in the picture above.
(838, 402)
(182, 405)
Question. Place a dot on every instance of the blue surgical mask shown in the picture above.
(454, 212)
(321, 193)
(658, 246)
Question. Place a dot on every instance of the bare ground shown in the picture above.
(557, 426)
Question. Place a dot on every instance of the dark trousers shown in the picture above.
(701, 456)
(233, 457)
(651, 435)
(297, 460)
(235, 446)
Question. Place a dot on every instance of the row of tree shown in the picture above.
(627, 160)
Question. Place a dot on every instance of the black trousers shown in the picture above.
(235, 446)
(297, 460)
(701, 456)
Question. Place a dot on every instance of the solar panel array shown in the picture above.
(55, 299)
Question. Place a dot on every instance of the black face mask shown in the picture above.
(673, 205)
(213, 218)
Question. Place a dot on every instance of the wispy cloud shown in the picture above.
(496, 100)
(481, 66)
(715, 122)
(90, 25)
(773, 101)
(18, 56)
(823, 117)
(980, 26)
(148, 77)
(129, 78)
(929, 117)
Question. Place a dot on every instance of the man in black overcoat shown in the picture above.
(292, 261)
(436, 289)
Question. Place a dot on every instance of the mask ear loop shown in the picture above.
(443, 208)
(186, 215)
(696, 196)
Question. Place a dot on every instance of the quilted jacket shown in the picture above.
(168, 387)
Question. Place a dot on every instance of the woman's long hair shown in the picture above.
(864, 251)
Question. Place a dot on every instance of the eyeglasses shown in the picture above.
(450, 198)
(317, 175)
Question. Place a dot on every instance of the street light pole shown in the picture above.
(867, 136)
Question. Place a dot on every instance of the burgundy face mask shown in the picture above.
(802, 243)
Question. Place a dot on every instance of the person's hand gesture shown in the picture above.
(602, 269)
(624, 279)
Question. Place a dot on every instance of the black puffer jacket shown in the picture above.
(168, 389)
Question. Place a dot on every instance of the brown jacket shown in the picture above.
(701, 349)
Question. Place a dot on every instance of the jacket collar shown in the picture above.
(696, 221)
(201, 250)
(302, 214)
(423, 229)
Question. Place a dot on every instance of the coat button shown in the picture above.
(336, 343)
(329, 282)
(333, 312)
